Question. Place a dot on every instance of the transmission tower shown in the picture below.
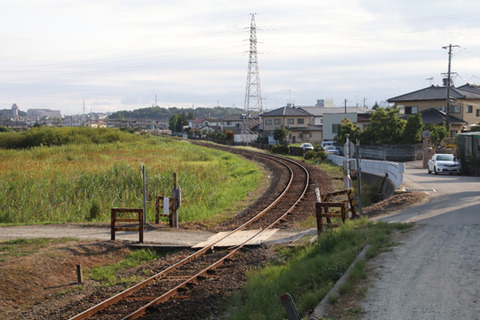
(253, 94)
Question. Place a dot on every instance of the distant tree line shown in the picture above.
(158, 113)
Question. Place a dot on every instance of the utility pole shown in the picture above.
(253, 94)
(449, 83)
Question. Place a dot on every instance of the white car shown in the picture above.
(444, 163)
(306, 147)
(331, 150)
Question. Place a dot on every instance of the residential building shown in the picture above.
(297, 120)
(40, 113)
(464, 103)
(333, 121)
(330, 118)
(240, 123)
(13, 124)
(435, 116)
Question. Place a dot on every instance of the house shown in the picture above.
(297, 120)
(464, 103)
(240, 123)
(205, 125)
(435, 116)
(330, 118)
(13, 124)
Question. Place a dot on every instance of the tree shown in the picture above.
(412, 133)
(437, 133)
(385, 127)
(177, 121)
(280, 134)
(349, 128)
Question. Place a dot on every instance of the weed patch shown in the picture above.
(109, 275)
(308, 273)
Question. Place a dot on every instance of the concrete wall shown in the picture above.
(399, 153)
(394, 170)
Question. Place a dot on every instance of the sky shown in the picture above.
(113, 55)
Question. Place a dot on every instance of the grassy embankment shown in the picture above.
(77, 175)
(308, 273)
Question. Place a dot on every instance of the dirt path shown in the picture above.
(435, 273)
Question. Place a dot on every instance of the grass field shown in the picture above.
(81, 182)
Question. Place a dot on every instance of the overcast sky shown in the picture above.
(120, 54)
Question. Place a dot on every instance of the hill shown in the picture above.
(8, 113)
(157, 113)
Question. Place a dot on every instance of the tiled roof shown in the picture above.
(286, 111)
(470, 88)
(319, 111)
(238, 117)
(436, 93)
(436, 116)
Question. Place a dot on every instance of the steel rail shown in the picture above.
(114, 299)
(164, 297)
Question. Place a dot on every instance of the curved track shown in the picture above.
(138, 299)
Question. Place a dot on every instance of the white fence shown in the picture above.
(394, 170)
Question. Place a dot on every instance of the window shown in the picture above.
(300, 121)
(478, 112)
(455, 109)
(277, 121)
(336, 128)
(268, 122)
(411, 110)
(441, 109)
(290, 121)
(469, 109)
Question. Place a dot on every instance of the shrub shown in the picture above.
(319, 155)
(280, 149)
(94, 213)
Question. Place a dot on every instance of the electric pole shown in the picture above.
(449, 83)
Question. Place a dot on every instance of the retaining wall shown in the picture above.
(395, 171)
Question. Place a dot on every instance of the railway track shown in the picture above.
(175, 280)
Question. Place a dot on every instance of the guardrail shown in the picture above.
(394, 170)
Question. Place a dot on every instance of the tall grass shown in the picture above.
(63, 183)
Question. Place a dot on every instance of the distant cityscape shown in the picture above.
(19, 120)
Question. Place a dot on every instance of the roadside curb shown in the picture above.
(320, 310)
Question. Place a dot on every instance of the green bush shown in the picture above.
(280, 149)
(319, 155)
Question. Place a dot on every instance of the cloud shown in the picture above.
(119, 54)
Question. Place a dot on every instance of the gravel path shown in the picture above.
(435, 273)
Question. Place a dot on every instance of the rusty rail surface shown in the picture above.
(203, 273)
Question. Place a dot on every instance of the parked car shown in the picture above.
(331, 150)
(444, 163)
(306, 147)
(327, 143)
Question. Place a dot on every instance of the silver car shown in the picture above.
(444, 163)
(331, 150)
(306, 146)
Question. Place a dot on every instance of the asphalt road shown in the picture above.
(435, 272)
